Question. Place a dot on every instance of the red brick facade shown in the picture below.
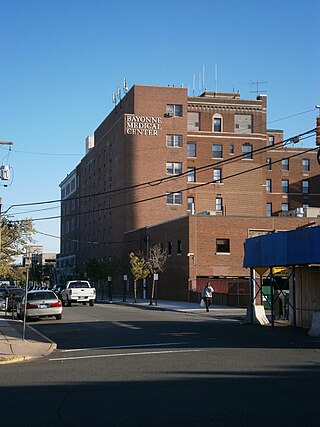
(158, 151)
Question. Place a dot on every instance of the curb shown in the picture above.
(148, 307)
(13, 359)
(137, 305)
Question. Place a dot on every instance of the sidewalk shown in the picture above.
(14, 349)
(216, 311)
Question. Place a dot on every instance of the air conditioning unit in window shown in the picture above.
(169, 114)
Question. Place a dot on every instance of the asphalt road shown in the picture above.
(123, 366)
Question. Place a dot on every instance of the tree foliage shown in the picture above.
(155, 263)
(99, 270)
(156, 259)
(94, 269)
(14, 238)
(138, 269)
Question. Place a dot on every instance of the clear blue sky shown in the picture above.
(61, 60)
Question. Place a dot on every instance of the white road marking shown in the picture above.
(124, 346)
(126, 325)
(145, 353)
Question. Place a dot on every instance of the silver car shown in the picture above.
(42, 303)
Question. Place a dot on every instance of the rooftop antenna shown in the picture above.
(114, 98)
(216, 78)
(257, 91)
(125, 86)
(119, 92)
(203, 86)
(193, 83)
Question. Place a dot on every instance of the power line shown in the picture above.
(43, 154)
(292, 115)
(158, 181)
(89, 242)
(180, 190)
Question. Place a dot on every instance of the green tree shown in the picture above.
(99, 270)
(155, 262)
(13, 240)
(139, 270)
(95, 271)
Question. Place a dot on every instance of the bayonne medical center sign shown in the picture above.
(142, 125)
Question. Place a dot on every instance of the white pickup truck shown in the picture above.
(78, 291)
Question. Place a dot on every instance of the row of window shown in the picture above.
(305, 186)
(69, 187)
(222, 247)
(242, 122)
(176, 199)
(175, 168)
(305, 165)
(217, 152)
(217, 149)
(284, 208)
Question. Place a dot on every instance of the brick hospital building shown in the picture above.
(197, 174)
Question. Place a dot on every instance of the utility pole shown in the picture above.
(4, 176)
(27, 265)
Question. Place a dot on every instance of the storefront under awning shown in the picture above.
(299, 252)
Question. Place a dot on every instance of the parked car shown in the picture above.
(15, 296)
(57, 289)
(3, 296)
(79, 291)
(42, 303)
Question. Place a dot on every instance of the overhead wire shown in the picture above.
(180, 190)
(158, 181)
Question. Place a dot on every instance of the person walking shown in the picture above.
(207, 295)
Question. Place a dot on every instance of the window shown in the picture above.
(179, 247)
(269, 209)
(191, 176)
(219, 204)
(231, 149)
(243, 123)
(174, 140)
(271, 140)
(174, 110)
(193, 121)
(285, 186)
(268, 185)
(305, 165)
(285, 207)
(174, 198)
(305, 186)
(191, 149)
(217, 151)
(190, 204)
(174, 168)
(285, 164)
(223, 246)
(247, 151)
(305, 205)
(269, 164)
(170, 247)
(217, 124)
(217, 175)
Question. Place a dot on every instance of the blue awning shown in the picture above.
(283, 248)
